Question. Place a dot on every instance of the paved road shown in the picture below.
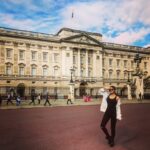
(72, 128)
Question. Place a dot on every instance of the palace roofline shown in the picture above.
(55, 38)
(78, 31)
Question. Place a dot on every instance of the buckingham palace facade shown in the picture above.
(38, 62)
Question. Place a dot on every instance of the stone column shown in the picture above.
(101, 66)
(86, 63)
(72, 85)
(16, 55)
(79, 63)
(94, 64)
(28, 60)
(2, 57)
(129, 92)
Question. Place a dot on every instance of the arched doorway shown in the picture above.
(21, 89)
(82, 90)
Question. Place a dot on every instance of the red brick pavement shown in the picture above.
(72, 128)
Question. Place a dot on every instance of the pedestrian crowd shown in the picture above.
(35, 99)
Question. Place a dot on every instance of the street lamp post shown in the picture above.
(71, 70)
(71, 84)
(128, 76)
(137, 59)
(55, 91)
(129, 86)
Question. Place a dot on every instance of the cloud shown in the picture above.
(116, 19)
(128, 37)
(26, 24)
(147, 45)
(128, 19)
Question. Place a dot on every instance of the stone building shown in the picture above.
(37, 62)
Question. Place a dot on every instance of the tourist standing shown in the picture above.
(111, 106)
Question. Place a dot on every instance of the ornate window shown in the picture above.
(8, 68)
(33, 55)
(21, 69)
(45, 70)
(33, 70)
(125, 63)
(118, 63)
(110, 62)
(45, 56)
(110, 74)
(125, 74)
(56, 57)
(8, 53)
(21, 55)
(56, 71)
(118, 74)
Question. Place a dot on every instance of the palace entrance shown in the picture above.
(21, 89)
(82, 88)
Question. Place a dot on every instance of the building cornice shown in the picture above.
(7, 32)
(124, 48)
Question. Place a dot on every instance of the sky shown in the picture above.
(119, 21)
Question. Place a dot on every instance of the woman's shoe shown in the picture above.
(111, 143)
(108, 139)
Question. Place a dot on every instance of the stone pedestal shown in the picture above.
(129, 92)
(72, 85)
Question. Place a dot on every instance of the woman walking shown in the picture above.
(111, 106)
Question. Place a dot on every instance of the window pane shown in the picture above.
(33, 55)
(21, 55)
(110, 62)
(56, 57)
(8, 70)
(45, 56)
(8, 53)
(44, 71)
(33, 71)
(21, 70)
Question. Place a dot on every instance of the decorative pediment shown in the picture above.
(82, 39)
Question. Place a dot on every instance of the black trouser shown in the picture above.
(39, 101)
(9, 101)
(105, 120)
(47, 101)
(69, 100)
